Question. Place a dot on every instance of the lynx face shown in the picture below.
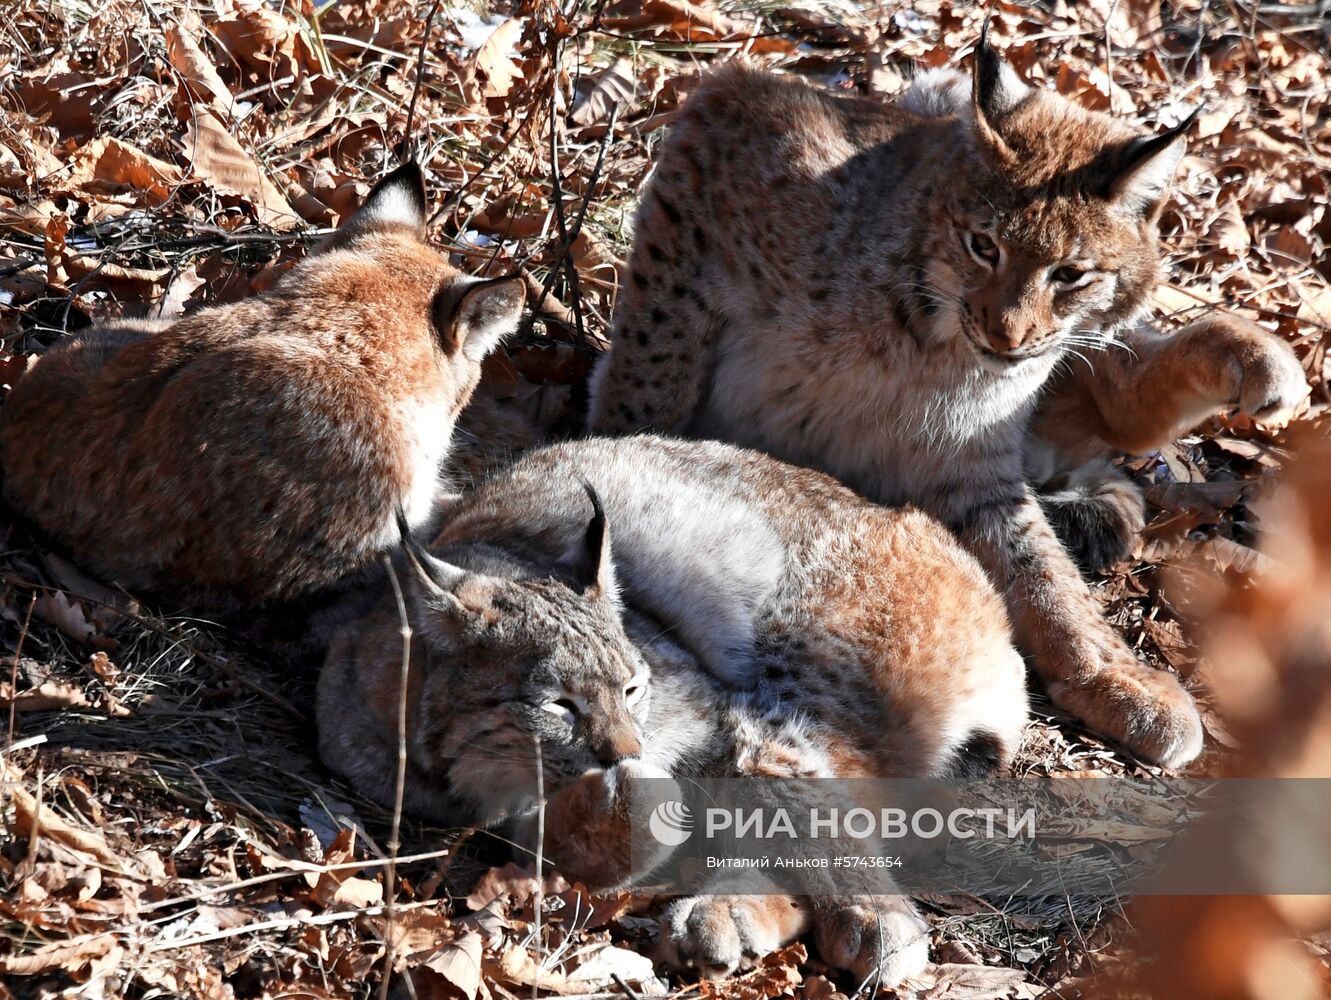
(1051, 237)
(516, 662)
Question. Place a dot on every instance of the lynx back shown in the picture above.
(257, 451)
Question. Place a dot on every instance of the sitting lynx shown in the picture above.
(257, 451)
(885, 293)
(755, 619)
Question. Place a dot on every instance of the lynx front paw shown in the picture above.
(589, 827)
(1270, 379)
(1144, 709)
(878, 938)
(717, 935)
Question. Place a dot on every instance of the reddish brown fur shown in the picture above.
(255, 451)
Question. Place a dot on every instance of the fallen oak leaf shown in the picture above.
(198, 75)
(599, 967)
(44, 697)
(494, 68)
(678, 16)
(110, 166)
(62, 956)
(777, 974)
(614, 85)
(965, 982)
(55, 608)
(459, 962)
(511, 884)
(30, 816)
(219, 160)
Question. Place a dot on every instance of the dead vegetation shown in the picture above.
(167, 830)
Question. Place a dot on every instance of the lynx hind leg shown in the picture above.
(1097, 512)
(655, 373)
(945, 660)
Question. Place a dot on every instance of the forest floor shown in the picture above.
(167, 827)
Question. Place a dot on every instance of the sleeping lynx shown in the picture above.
(257, 451)
(756, 619)
(885, 293)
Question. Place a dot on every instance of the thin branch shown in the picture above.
(539, 894)
(408, 143)
(399, 791)
(576, 228)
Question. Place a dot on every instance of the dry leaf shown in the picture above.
(55, 608)
(63, 956)
(597, 968)
(49, 694)
(109, 166)
(965, 982)
(495, 65)
(614, 85)
(459, 962)
(513, 884)
(29, 816)
(218, 159)
(196, 70)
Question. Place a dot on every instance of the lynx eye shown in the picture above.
(634, 690)
(562, 708)
(1069, 275)
(982, 245)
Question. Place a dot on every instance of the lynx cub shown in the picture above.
(885, 293)
(257, 451)
(755, 619)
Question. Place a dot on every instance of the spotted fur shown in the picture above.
(870, 644)
(886, 292)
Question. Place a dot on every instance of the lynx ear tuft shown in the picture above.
(438, 576)
(591, 561)
(398, 199)
(1148, 166)
(485, 313)
(996, 89)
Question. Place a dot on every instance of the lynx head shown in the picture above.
(1052, 236)
(379, 258)
(516, 657)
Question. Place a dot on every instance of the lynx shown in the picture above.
(938, 302)
(752, 619)
(256, 451)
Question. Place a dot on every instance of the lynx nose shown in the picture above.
(1001, 340)
(618, 746)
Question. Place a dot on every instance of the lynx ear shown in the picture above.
(1148, 166)
(435, 574)
(398, 199)
(591, 561)
(995, 90)
(481, 316)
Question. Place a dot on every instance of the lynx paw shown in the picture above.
(718, 935)
(1144, 709)
(1271, 380)
(880, 938)
(589, 827)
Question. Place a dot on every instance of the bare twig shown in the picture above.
(408, 142)
(539, 894)
(399, 791)
(566, 245)
(13, 671)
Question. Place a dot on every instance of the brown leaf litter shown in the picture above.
(167, 827)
